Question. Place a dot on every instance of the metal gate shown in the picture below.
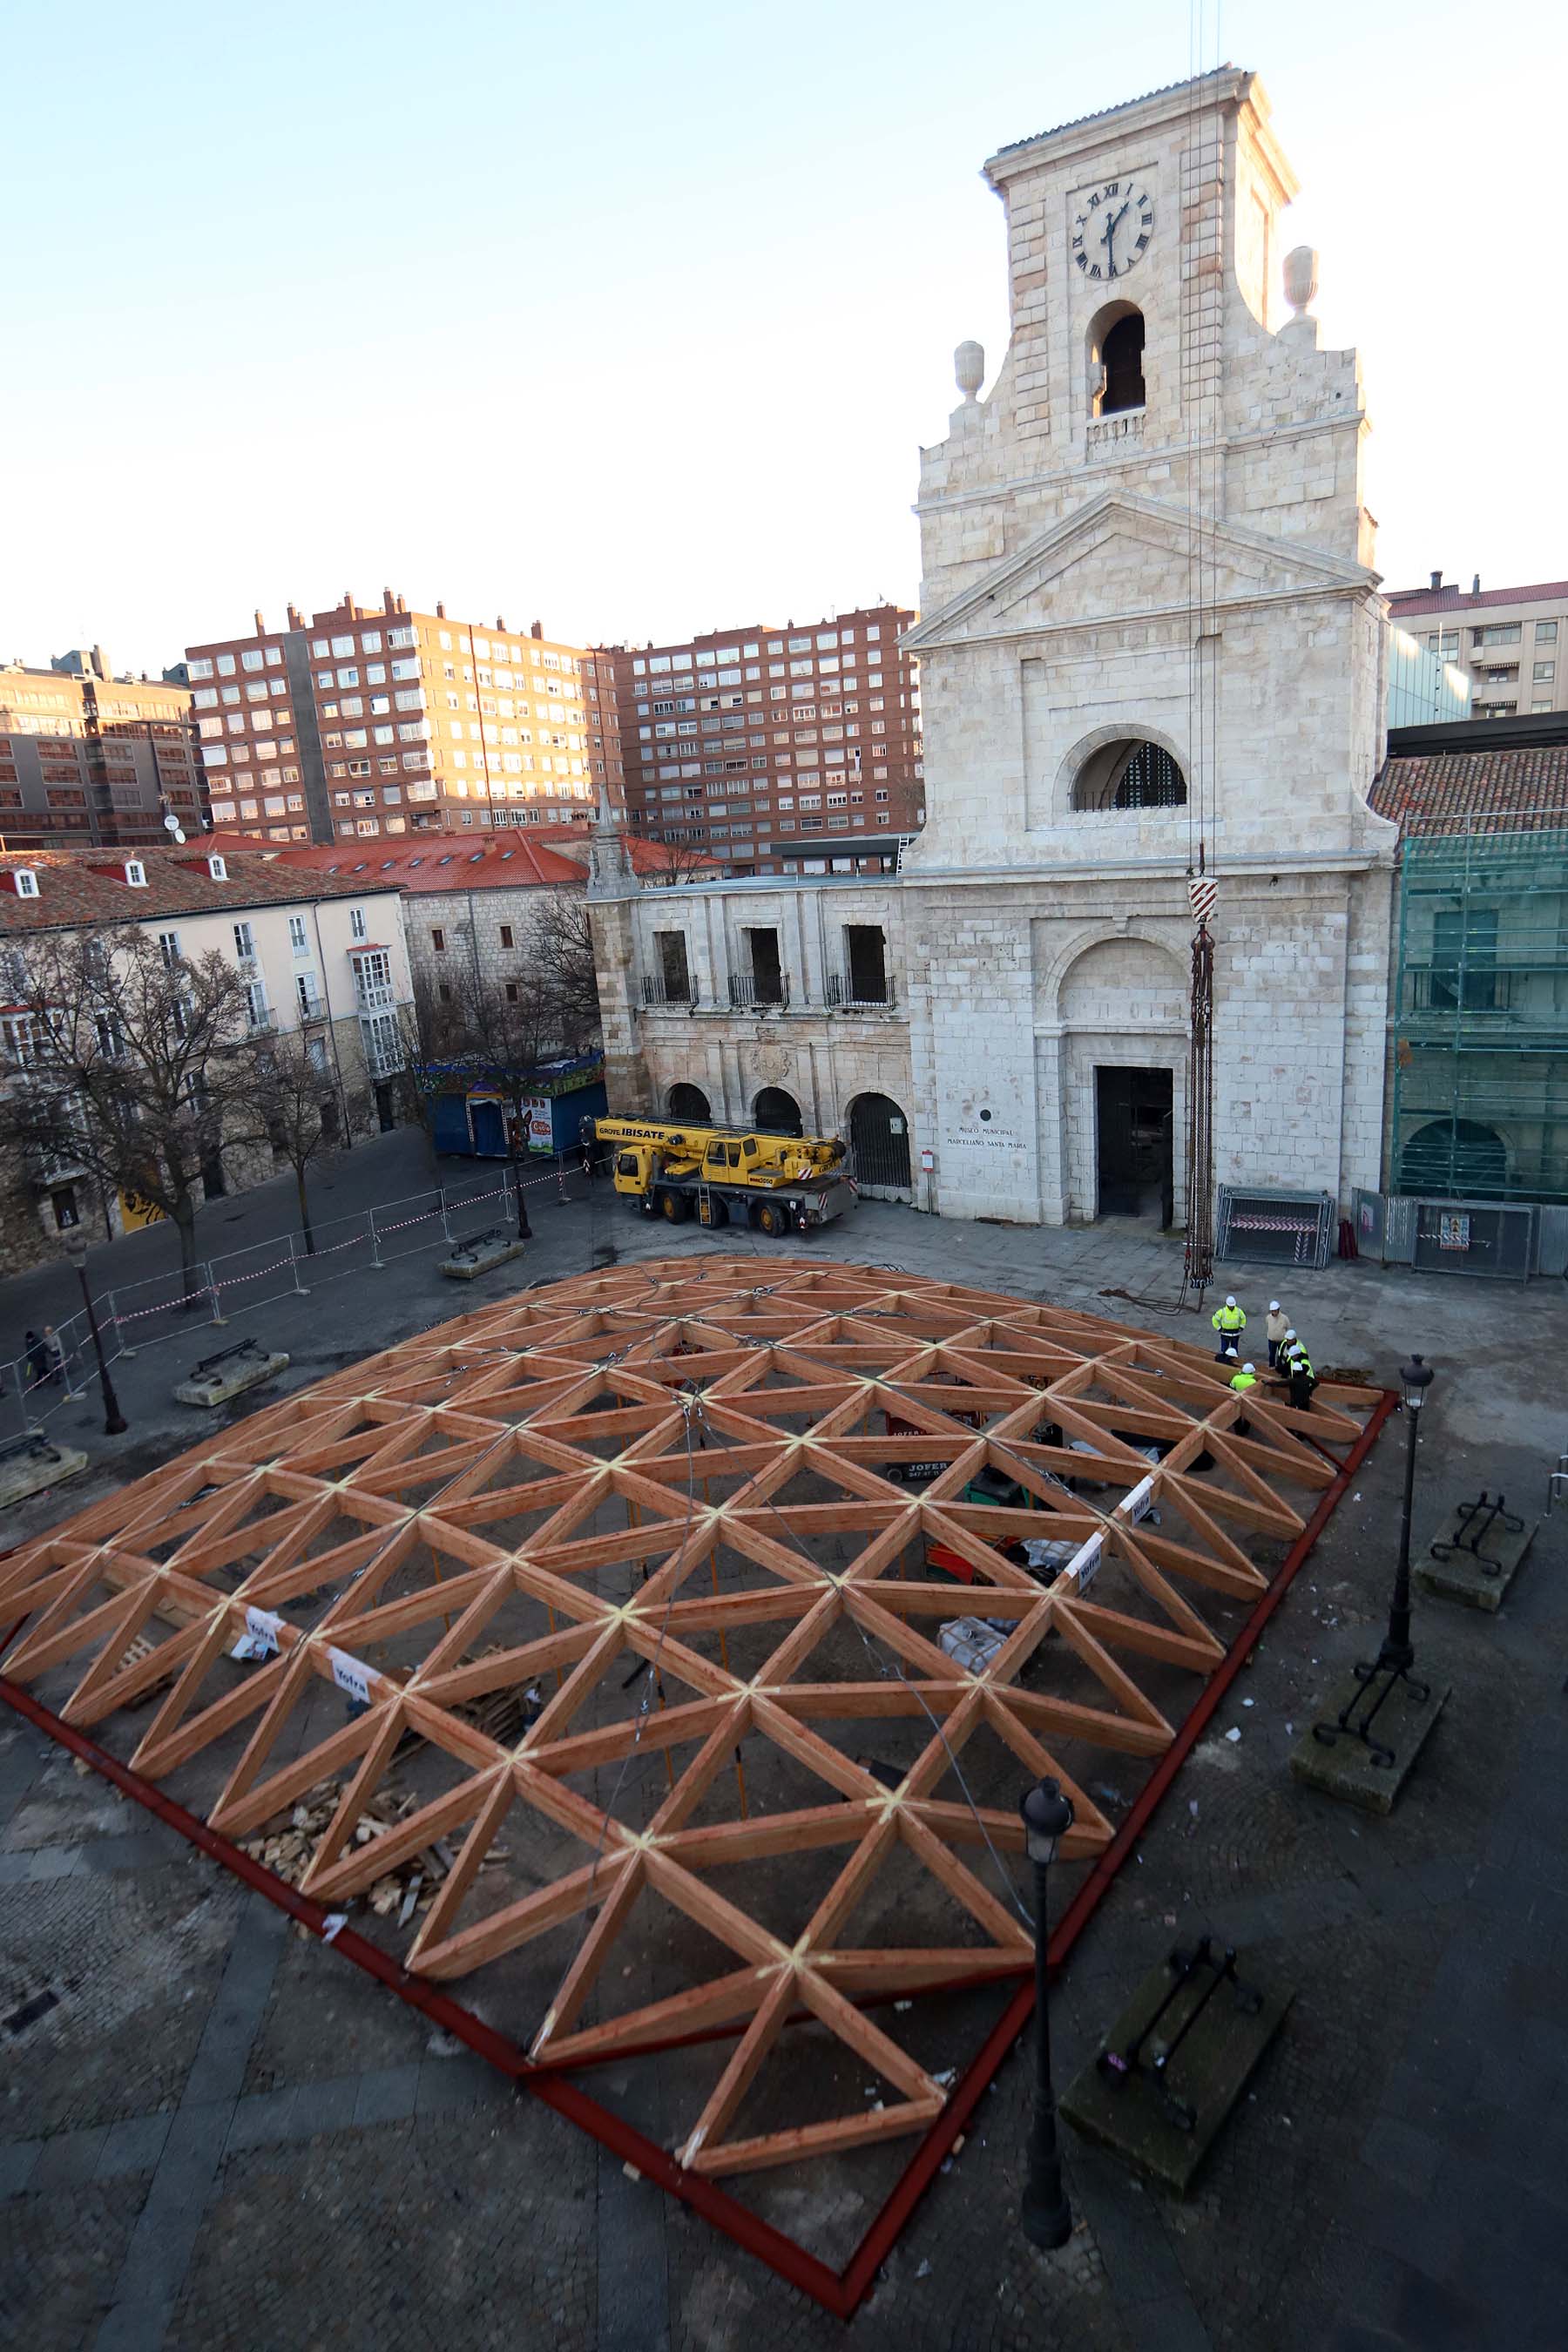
(1487, 1237)
(1274, 1228)
(880, 1145)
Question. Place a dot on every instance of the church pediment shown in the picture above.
(1121, 553)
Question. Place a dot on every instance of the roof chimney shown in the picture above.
(296, 618)
(386, 603)
(260, 625)
(1436, 580)
(349, 602)
(440, 610)
(401, 606)
(500, 622)
(1476, 585)
(536, 629)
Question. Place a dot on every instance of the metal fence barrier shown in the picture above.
(136, 1315)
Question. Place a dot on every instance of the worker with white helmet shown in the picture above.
(1279, 1324)
(1229, 1322)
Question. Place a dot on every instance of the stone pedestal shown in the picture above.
(1162, 2120)
(481, 1251)
(34, 1465)
(230, 1377)
(1347, 1768)
(1477, 1579)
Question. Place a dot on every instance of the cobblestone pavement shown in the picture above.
(212, 2133)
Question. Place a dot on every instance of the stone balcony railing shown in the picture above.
(1107, 436)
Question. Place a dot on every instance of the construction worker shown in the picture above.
(1278, 1327)
(1229, 1322)
(1244, 1380)
(1303, 1380)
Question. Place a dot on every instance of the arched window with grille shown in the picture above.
(1131, 773)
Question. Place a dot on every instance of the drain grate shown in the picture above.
(31, 2010)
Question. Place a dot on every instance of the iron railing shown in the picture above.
(658, 988)
(843, 991)
(748, 993)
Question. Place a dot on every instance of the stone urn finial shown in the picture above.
(1301, 278)
(969, 367)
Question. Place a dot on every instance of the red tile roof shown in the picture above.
(77, 886)
(1487, 791)
(508, 859)
(1451, 598)
(439, 861)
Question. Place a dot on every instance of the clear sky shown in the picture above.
(631, 318)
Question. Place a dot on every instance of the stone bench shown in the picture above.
(229, 1373)
(477, 1253)
(29, 1464)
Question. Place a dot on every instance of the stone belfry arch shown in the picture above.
(1189, 571)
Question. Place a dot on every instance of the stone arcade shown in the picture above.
(1150, 618)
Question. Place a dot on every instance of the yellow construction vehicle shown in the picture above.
(779, 1184)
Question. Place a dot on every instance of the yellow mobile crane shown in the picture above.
(775, 1182)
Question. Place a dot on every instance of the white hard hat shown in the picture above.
(1249, 1368)
(1230, 1298)
(1274, 1307)
(1290, 1335)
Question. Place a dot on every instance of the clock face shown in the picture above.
(1112, 230)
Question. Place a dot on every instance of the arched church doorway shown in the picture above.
(777, 1113)
(689, 1102)
(1135, 1142)
(880, 1139)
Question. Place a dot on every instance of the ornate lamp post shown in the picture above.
(1397, 1655)
(114, 1421)
(1046, 2214)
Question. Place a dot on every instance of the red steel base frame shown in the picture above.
(839, 2292)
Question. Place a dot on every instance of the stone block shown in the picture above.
(1345, 1767)
(479, 1252)
(30, 1464)
(1163, 2106)
(1483, 1555)
(229, 1372)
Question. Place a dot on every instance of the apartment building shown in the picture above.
(371, 721)
(1513, 641)
(776, 748)
(89, 758)
(321, 954)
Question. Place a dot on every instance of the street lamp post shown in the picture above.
(114, 1421)
(1046, 2214)
(1397, 1655)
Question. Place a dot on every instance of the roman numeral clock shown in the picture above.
(1114, 229)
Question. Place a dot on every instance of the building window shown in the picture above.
(511, 992)
(356, 923)
(1121, 357)
(438, 941)
(506, 935)
(1499, 633)
(1545, 671)
(1546, 633)
(1124, 775)
(244, 940)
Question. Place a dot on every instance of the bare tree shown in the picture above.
(290, 1100)
(668, 861)
(561, 944)
(128, 1067)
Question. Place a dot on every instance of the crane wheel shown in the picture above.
(673, 1207)
(771, 1219)
(712, 1213)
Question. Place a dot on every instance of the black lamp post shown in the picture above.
(114, 1421)
(1397, 1655)
(1046, 2214)
(524, 1230)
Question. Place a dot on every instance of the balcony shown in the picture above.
(849, 992)
(1111, 436)
(383, 1048)
(662, 989)
(752, 992)
(1445, 990)
(374, 996)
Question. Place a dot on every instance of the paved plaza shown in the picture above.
(214, 2133)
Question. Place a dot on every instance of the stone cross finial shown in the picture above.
(969, 367)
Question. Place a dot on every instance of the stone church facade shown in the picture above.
(1150, 635)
